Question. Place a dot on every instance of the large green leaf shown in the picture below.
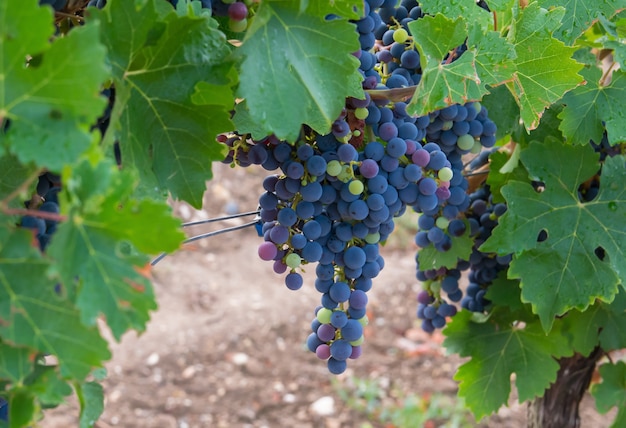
(564, 271)
(504, 108)
(498, 176)
(545, 68)
(158, 58)
(614, 37)
(51, 102)
(443, 84)
(612, 391)
(580, 14)
(12, 175)
(498, 351)
(32, 315)
(96, 245)
(592, 107)
(495, 56)
(15, 362)
(47, 386)
(455, 8)
(296, 69)
(602, 323)
(345, 8)
(91, 396)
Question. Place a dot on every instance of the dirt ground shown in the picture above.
(226, 347)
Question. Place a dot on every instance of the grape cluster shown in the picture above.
(333, 203)
(481, 217)
(335, 197)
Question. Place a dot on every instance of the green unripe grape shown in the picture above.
(238, 26)
(400, 35)
(447, 125)
(293, 260)
(346, 173)
(372, 238)
(465, 142)
(477, 107)
(356, 187)
(323, 315)
(445, 174)
(333, 168)
(363, 321)
(442, 223)
(477, 148)
(358, 342)
(361, 113)
(356, 133)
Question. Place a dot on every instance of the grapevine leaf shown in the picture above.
(610, 393)
(157, 59)
(496, 352)
(454, 9)
(496, 178)
(545, 68)
(15, 362)
(47, 386)
(500, 5)
(431, 258)
(601, 323)
(548, 127)
(443, 84)
(91, 403)
(12, 175)
(28, 317)
(21, 408)
(564, 271)
(615, 39)
(501, 100)
(494, 56)
(579, 15)
(52, 102)
(345, 8)
(244, 123)
(504, 294)
(96, 245)
(588, 107)
(285, 57)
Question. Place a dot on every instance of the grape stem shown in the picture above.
(34, 213)
(69, 15)
(395, 94)
(605, 80)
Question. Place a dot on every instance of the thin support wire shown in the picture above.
(207, 235)
(227, 217)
